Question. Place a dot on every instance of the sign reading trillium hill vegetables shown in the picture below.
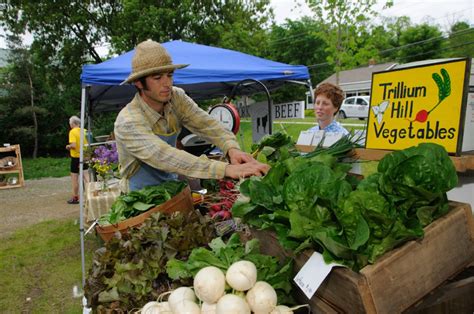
(418, 105)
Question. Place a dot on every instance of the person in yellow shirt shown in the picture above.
(74, 150)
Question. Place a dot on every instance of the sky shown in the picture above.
(441, 12)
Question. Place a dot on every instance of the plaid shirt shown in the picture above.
(136, 129)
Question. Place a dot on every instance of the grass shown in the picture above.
(43, 263)
(43, 167)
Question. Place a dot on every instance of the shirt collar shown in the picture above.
(151, 115)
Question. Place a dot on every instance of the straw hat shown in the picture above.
(150, 57)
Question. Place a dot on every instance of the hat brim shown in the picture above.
(135, 76)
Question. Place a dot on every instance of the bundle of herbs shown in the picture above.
(130, 271)
(310, 202)
(223, 254)
(137, 202)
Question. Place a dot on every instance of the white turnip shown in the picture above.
(262, 298)
(283, 309)
(241, 275)
(232, 304)
(207, 308)
(186, 307)
(154, 307)
(178, 296)
(209, 284)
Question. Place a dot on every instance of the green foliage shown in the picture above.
(420, 42)
(131, 271)
(340, 26)
(228, 24)
(136, 202)
(350, 226)
(461, 40)
(67, 34)
(299, 42)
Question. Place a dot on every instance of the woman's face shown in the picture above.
(324, 109)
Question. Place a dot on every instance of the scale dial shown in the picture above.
(227, 115)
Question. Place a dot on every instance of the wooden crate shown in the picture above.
(398, 279)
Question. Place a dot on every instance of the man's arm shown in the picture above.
(141, 143)
(201, 123)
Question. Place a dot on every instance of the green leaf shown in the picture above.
(109, 296)
(142, 206)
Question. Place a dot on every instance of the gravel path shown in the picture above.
(39, 200)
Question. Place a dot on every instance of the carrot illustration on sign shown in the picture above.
(444, 90)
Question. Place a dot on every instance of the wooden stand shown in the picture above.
(399, 279)
(13, 150)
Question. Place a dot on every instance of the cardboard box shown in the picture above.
(401, 277)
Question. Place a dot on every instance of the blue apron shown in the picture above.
(147, 175)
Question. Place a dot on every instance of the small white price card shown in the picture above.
(312, 274)
(305, 138)
(318, 137)
(331, 138)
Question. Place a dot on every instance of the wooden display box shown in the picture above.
(401, 277)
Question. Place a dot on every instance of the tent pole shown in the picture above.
(81, 186)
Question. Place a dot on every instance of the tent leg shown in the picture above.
(81, 186)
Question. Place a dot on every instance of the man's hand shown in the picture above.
(253, 168)
(237, 157)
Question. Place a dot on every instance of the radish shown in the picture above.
(262, 298)
(241, 275)
(421, 116)
(232, 304)
(207, 308)
(209, 284)
(179, 296)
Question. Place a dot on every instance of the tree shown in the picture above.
(230, 24)
(461, 40)
(343, 22)
(19, 84)
(67, 34)
(420, 42)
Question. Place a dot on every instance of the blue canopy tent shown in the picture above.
(213, 73)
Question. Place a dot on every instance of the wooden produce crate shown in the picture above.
(398, 279)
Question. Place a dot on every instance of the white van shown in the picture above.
(355, 107)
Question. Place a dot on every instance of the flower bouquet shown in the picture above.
(105, 163)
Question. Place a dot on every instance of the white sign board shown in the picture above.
(289, 110)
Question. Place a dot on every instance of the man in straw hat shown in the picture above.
(147, 128)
